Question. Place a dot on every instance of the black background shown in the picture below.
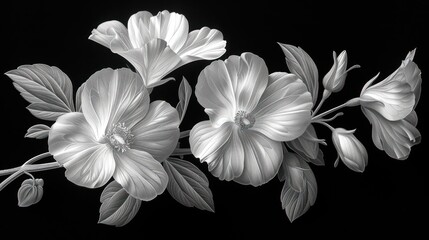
(389, 197)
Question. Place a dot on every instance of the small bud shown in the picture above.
(334, 80)
(30, 192)
(350, 149)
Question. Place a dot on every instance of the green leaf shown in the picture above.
(188, 185)
(48, 90)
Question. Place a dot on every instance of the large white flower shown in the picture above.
(250, 113)
(389, 106)
(119, 133)
(156, 45)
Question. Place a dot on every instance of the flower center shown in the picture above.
(244, 120)
(119, 137)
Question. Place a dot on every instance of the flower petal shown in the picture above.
(214, 91)
(203, 44)
(153, 61)
(114, 96)
(72, 143)
(112, 32)
(138, 29)
(262, 158)
(224, 88)
(158, 132)
(140, 174)
(204, 139)
(284, 110)
(227, 163)
(394, 137)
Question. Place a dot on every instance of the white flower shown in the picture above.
(156, 45)
(389, 106)
(250, 113)
(396, 96)
(334, 80)
(350, 149)
(119, 133)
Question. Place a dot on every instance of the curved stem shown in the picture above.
(325, 124)
(325, 96)
(349, 103)
(184, 133)
(181, 152)
(27, 167)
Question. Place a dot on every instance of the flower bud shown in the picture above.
(30, 192)
(334, 80)
(350, 149)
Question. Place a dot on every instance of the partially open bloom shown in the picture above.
(396, 96)
(119, 133)
(334, 80)
(250, 113)
(156, 45)
(389, 106)
(350, 149)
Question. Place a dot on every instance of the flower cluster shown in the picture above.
(260, 124)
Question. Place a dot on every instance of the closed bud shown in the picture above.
(350, 149)
(334, 80)
(30, 192)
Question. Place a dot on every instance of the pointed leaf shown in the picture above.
(188, 185)
(185, 92)
(48, 89)
(301, 64)
(30, 192)
(300, 188)
(118, 207)
(38, 131)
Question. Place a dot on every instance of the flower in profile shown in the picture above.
(250, 113)
(156, 45)
(334, 80)
(350, 149)
(389, 106)
(119, 133)
(396, 96)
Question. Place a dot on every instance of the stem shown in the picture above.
(181, 152)
(184, 133)
(325, 96)
(349, 103)
(27, 167)
(325, 124)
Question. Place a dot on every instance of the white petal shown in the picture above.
(262, 158)
(204, 139)
(140, 174)
(111, 31)
(171, 27)
(214, 91)
(224, 88)
(114, 96)
(394, 137)
(227, 163)
(158, 132)
(203, 44)
(72, 143)
(284, 110)
(153, 61)
(138, 29)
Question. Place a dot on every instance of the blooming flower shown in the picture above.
(389, 106)
(336, 77)
(350, 149)
(394, 97)
(156, 45)
(118, 133)
(250, 113)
